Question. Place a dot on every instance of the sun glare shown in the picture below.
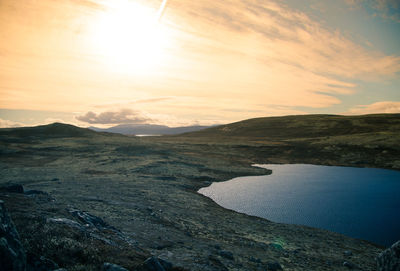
(129, 37)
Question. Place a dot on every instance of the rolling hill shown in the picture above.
(54, 130)
(304, 126)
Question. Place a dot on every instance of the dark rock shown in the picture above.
(215, 262)
(55, 179)
(389, 259)
(112, 267)
(163, 245)
(349, 265)
(35, 192)
(167, 265)
(155, 264)
(35, 263)
(12, 188)
(296, 251)
(226, 254)
(167, 178)
(91, 220)
(254, 260)
(152, 264)
(348, 253)
(12, 254)
(273, 266)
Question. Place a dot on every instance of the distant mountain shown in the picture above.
(148, 129)
(303, 126)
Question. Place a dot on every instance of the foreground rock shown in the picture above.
(56, 236)
(12, 254)
(389, 260)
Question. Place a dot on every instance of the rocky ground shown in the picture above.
(91, 199)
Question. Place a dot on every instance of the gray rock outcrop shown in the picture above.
(12, 254)
(389, 259)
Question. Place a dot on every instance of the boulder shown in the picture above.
(90, 220)
(389, 259)
(12, 254)
(112, 267)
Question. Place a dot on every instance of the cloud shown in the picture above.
(123, 116)
(9, 124)
(378, 107)
(273, 33)
(387, 9)
(133, 103)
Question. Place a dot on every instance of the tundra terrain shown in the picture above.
(92, 197)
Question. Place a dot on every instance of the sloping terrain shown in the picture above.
(305, 126)
(92, 198)
(363, 141)
(55, 130)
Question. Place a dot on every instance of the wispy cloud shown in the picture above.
(272, 33)
(124, 116)
(9, 124)
(387, 9)
(378, 107)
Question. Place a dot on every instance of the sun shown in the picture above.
(129, 37)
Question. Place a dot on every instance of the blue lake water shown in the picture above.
(359, 202)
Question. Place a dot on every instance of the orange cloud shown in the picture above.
(378, 107)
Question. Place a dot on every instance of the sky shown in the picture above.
(178, 62)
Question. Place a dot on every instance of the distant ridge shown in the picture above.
(148, 129)
(286, 127)
(54, 130)
(304, 126)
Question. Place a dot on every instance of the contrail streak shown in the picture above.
(161, 10)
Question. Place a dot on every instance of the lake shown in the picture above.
(362, 203)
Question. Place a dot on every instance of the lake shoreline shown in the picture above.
(285, 196)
